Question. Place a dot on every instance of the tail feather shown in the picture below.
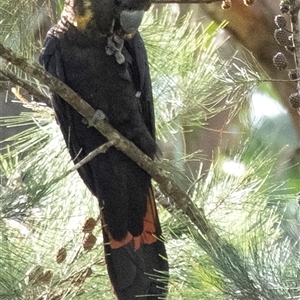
(137, 266)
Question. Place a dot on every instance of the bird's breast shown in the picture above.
(98, 78)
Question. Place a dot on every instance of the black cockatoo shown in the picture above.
(97, 50)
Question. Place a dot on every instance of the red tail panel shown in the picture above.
(137, 266)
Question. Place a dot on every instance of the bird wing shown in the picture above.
(52, 61)
(142, 80)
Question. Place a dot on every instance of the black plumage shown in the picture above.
(76, 52)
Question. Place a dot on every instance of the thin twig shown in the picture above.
(101, 149)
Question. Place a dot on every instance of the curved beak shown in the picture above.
(130, 20)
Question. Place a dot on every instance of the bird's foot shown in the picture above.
(99, 115)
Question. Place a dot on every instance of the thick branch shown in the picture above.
(214, 242)
(167, 186)
(26, 85)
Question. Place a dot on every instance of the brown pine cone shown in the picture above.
(282, 37)
(78, 280)
(292, 74)
(89, 225)
(46, 277)
(33, 274)
(285, 7)
(89, 241)
(81, 276)
(226, 4)
(61, 255)
(280, 21)
(88, 272)
(280, 62)
(249, 2)
(295, 100)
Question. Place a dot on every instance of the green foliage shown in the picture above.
(17, 19)
(247, 211)
(41, 212)
(191, 82)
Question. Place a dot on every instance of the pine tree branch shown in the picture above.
(56, 86)
(59, 88)
(185, 1)
(32, 90)
(295, 18)
(215, 246)
(225, 3)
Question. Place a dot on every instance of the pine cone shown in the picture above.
(78, 280)
(285, 7)
(280, 62)
(280, 21)
(89, 225)
(295, 100)
(61, 255)
(249, 2)
(88, 272)
(89, 241)
(292, 74)
(281, 37)
(46, 277)
(80, 277)
(226, 4)
(33, 274)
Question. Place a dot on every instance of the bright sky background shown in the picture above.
(263, 106)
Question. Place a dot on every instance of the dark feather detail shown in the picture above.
(135, 253)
